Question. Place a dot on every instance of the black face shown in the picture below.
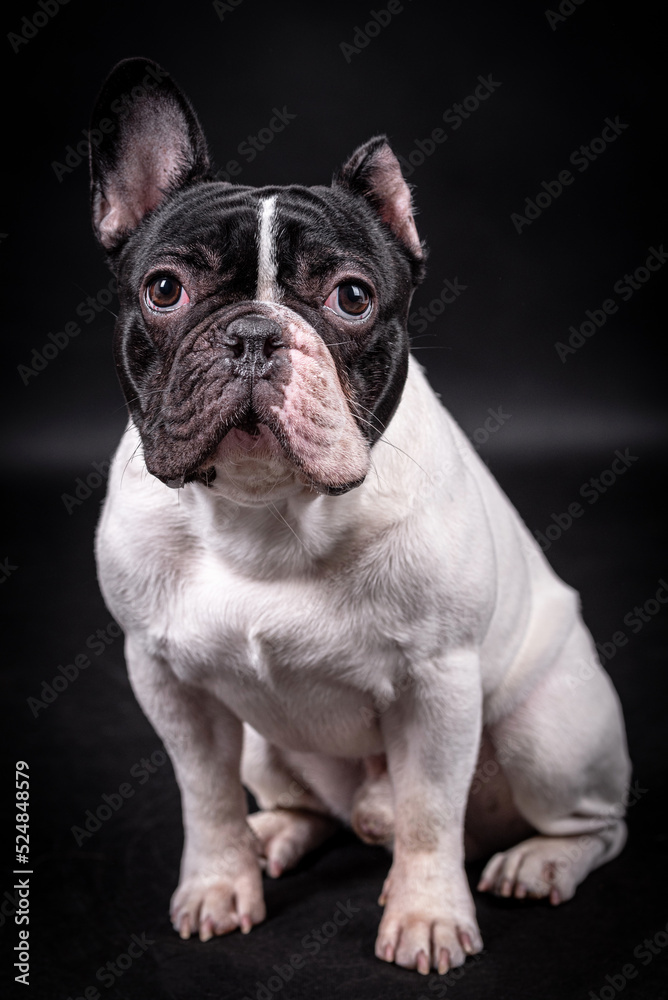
(249, 308)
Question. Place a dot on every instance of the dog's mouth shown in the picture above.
(249, 426)
(248, 442)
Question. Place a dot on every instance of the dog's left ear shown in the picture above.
(374, 172)
(156, 147)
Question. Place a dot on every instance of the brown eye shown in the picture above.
(351, 300)
(166, 293)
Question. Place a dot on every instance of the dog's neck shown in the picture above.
(296, 534)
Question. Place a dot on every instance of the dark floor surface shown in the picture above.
(88, 902)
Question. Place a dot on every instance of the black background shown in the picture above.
(493, 347)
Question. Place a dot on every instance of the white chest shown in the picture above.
(302, 661)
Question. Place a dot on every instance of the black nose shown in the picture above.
(252, 339)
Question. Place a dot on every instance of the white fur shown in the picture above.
(399, 619)
(267, 268)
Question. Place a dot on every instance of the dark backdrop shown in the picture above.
(554, 78)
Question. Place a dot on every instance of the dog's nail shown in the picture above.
(423, 963)
(388, 954)
(443, 961)
(506, 887)
(184, 928)
(275, 869)
(483, 885)
(555, 897)
(520, 891)
(205, 931)
(246, 924)
(382, 899)
(466, 942)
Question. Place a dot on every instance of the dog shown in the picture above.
(326, 596)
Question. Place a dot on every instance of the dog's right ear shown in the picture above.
(156, 147)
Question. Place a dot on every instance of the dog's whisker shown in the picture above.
(385, 440)
(432, 347)
(271, 507)
(131, 458)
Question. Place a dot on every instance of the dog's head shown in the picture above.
(261, 340)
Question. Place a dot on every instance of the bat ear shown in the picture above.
(374, 172)
(156, 148)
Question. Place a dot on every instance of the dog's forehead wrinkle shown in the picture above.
(294, 233)
(199, 254)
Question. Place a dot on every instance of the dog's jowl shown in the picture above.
(325, 595)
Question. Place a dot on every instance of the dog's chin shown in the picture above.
(252, 467)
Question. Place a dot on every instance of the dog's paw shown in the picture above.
(372, 816)
(541, 868)
(208, 904)
(425, 930)
(285, 835)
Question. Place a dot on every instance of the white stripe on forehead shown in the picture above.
(267, 265)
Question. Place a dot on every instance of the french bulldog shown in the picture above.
(326, 596)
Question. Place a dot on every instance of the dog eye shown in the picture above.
(165, 294)
(351, 299)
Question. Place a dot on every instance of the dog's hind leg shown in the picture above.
(285, 835)
(372, 816)
(302, 799)
(568, 772)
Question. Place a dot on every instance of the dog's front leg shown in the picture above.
(220, 886)
(431, 735)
